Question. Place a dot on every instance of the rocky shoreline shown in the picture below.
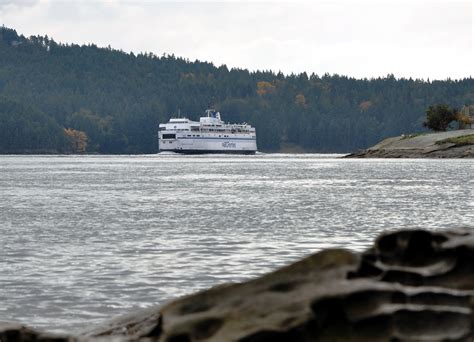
(415, 285)
(431, 145)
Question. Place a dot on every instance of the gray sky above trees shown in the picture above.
(417, 38)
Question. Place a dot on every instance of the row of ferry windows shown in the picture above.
(220, 130)
(173, 136)
(197, 135)
(207, 130)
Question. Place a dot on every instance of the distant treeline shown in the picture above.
(70, 98)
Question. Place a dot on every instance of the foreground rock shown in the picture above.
(412, 285)
(431, 145)
(17, 332)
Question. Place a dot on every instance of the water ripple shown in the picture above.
(84, 238)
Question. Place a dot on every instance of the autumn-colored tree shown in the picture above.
(264, 87)
(300, 100)
(365, 105)
(465, 120)
(78, 140)
(94, 126)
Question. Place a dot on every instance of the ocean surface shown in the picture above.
(85, 238)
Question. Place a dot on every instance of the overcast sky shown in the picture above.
(422, 39)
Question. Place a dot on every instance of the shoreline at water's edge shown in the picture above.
(429, 145)
(452, 153)
(337, 154)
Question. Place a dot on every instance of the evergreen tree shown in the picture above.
(439, 117)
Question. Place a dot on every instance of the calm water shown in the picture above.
(86, 238)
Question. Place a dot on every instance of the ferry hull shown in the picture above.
(210, 152)
(209, 145)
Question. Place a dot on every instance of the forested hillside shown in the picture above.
(71, 98)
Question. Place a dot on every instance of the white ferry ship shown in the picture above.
(209, 135)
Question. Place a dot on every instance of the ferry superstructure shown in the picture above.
(209, 135)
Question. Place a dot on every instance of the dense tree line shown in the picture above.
(118, 99)
(25, 129)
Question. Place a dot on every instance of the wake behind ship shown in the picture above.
(209, 135)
